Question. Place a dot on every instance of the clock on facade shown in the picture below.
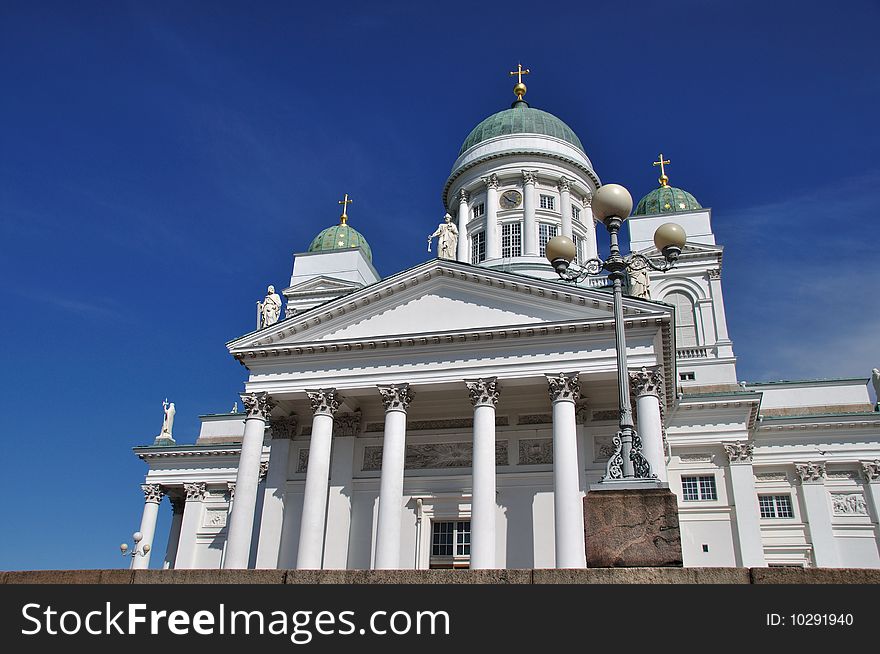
(510, 199)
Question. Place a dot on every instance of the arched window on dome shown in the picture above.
(685, 319)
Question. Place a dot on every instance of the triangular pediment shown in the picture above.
(322, 284)
(441, 297)
(695, 249)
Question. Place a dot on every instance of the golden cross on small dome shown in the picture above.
(344, 202)
(520, 88)
(660, 162)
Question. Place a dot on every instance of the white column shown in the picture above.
(725, 347)
(484, 396)
(272, 519)
(241, 520)
(396, 399)
(190, 524)
(871, 471)
(817, 506)
(346, 426)
(592, 249)
(568, 510)
(530, 222)
(647, 388)
(493, 238)
(153, 495)
(463, 254)
(174, 532)
(564, 186)
(745, 504)
(324, 402)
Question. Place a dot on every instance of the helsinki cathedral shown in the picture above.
(460, 413)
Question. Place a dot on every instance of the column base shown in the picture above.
(632, 528)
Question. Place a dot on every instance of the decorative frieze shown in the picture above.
(347, 424)
(606, 414)
(483, 391)
(195, 492)
(603, 448)
(771, 476)
(695, 457)
(849, 504)
(396, 397)
(432, 425)
(871, 470)
(257, 405)
(302, 460)
(324, 401)
(534, 419)
(153, 493)
(851, 475)
(810, 471)
(564, 387)
(647, 381)
(739, 451)
(215, 518)
(284, 427)
(434, 455)
(535, 451)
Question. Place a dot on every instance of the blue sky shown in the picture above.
(160, 162)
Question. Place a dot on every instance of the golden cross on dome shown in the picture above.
(520, 88)
(663, 178)
(344, 202)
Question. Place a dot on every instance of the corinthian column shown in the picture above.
(647, 388)
(241, 521)
(564, 187)
(493, 242)
(568, 513)
(818, 510)
(462, 226)
(396, 399)
(324, 402)
(530, 224)
(745, 503)
(484, 396)
(153, 495)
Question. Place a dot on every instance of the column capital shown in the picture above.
(347, 424)
(647, 381)
(257, 405)
(195, 492)
(483, 391)
(153, 493)
(230, 490)
(324, 401)
(739, 451)
(396, 397)
(588, 199)
(490, 181)
(463, 196)
(564, 387)
(529, 176)
(284, 427)
(714, 273)
(810, 472)
(564, 184)
(871, 470)
(264, 470)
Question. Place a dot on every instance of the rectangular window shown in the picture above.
(575, 213)
(545, 233)
(511, 239)
(687, 376)
(775, 506)
(577, 247)
(450, 544)
(548, 202)
(695, 489)
(479, 210)
(478, 247)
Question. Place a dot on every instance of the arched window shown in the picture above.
(685, 320)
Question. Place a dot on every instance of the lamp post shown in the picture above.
(612, 204)
(142, 551)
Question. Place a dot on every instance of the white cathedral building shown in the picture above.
(456, 414)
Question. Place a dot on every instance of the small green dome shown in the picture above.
(520, 119)
(340, 237)
(666, 199)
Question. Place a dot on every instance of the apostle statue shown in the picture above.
(640, 283)
(447, 238)
(165, 437)
(269, 310)
(875, 380)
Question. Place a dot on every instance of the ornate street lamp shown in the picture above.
(142, 551)
(612, 204)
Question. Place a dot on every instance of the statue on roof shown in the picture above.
(447, 238)
(165, 437)
(875, 380)
(269, 310)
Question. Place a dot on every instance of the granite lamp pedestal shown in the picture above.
(627, 526)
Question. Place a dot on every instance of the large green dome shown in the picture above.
(520, 119)
(340, 237)
(666, 199)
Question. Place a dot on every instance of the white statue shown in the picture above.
(640, 284)
(168, 422)
(269, 310)
(447, 238)
(234, 408)
(875, 380)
